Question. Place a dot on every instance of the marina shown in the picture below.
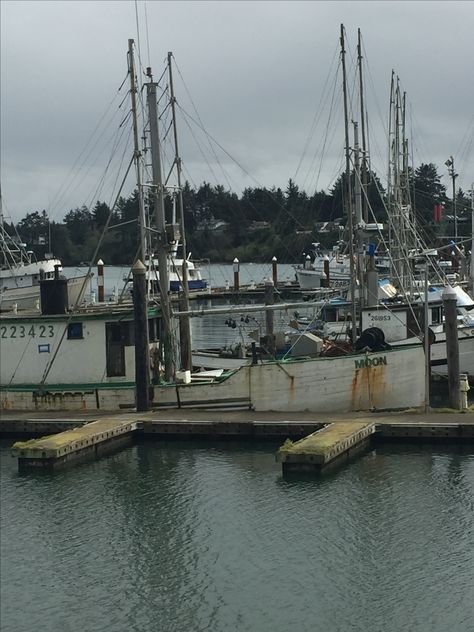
(236, 317)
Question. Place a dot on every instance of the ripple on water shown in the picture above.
(185, 536)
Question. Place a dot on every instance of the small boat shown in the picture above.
(21, 275)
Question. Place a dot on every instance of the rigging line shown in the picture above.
(118, 135)
(78, 181)
(382, 239)
(328, 124)
(91, 263)
(318, 112)
(200, 121)
(137, 25)
(199, 147)
(60, 193)
(126, 146)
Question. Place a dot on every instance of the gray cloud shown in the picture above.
(255, 71)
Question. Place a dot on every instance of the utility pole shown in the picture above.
(160, 225)
(349, 191)
(450, 165)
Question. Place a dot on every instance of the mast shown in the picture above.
(160, 226)
(137, 153)
(185, 326)
(364, 170)
(348, 189)
(358, 213)
(472, 239)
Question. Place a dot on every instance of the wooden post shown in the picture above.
(326, 271)
(185, 335)
(452, 346)
(100, 280)
(236, 274)
(274, 271)
(142, 364)
(269, 316)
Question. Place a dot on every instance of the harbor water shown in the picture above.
(214, 330)
(193, 536)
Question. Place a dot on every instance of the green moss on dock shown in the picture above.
(30, 443)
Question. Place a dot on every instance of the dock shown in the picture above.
(326, 447)
(85, 442)
(309, 442)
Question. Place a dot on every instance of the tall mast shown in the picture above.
(136, 152)
(364, 170)
(160, 226)
(358, 212)
(472, 239)
(186, 356)
(348, 188)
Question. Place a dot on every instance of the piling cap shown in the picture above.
(138, 267)
(100, 262)
(274, 259)
(449, 294)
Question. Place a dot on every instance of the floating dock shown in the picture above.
(314, 442)
(326, 447)
(84, 443)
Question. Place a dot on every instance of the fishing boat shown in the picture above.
(21, 273)
(195, 281)
(86, 359)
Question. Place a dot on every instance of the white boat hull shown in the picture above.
(29, 297)
(386, 380)
(380, 380)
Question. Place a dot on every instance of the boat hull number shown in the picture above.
(26, 331)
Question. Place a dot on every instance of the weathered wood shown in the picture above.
(452, 346)
(142, 363)
(324, 446)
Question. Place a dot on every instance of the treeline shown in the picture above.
(220, 225)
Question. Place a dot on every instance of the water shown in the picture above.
(187, 536)
(218, 275)
(212, 330)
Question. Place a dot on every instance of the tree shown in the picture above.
(79, 222)
(427, 191)
(375, 197)
(100, 214)
(33, 229)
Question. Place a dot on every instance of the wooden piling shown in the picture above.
(452, 346)
(142, 364)
(236, 265)
(274, 271)
(100, 281)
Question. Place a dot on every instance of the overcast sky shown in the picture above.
(259, 75)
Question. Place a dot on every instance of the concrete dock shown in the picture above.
(333, 438)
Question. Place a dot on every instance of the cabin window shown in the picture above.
(75, 331)
(153, 329)
(115, 349)
(436, 315)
